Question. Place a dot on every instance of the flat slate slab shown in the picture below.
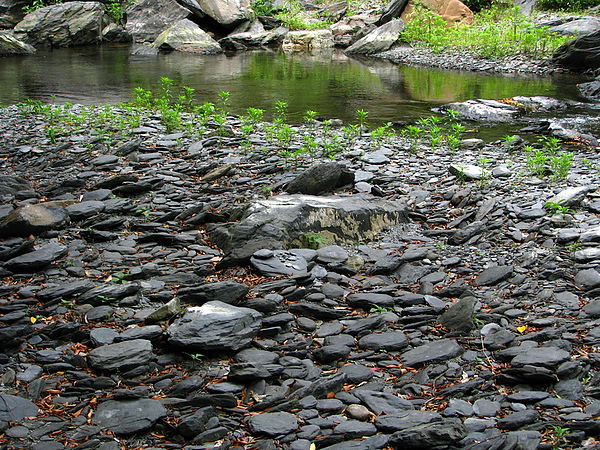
(126, 417)
(438, 351)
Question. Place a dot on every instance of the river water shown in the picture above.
(327, 82)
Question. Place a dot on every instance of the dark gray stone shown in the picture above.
(459, 316)
(38, 259)
(33, 219)
(590, 90)
(273, 424)
(228, 291)
(389, 341)
(15, 409)
(122, 355)
(390, 423)
(215, 326)
(440, 350)
(431, 435)
(541, 356)
(518, 419)
(494, 275)
(354, 429)
(381, 402)
(318, 179)
(128, 417)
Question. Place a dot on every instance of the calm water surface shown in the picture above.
(330, 83)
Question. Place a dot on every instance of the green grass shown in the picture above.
(493, 34)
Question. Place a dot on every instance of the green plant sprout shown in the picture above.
(558, 207)
(380, 309)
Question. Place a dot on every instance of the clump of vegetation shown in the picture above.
(441, 131)
(565, 5)
(492, 35)
(549, 159)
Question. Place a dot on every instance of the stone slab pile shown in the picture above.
(447, 310)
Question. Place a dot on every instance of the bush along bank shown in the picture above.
(466, 321)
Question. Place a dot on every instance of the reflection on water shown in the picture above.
(327, 82)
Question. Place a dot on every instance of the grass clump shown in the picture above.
(492, 35)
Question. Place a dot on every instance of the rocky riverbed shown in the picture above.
(216, 289)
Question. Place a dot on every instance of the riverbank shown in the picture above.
(469, 322)
(468, 61)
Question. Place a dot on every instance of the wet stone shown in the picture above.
(273, 424)
(128, 417)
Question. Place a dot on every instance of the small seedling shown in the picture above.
(380, 309)
(361, 118)
(558, 207)
(70, 304)
(558, 437)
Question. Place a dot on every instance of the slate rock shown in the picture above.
(390, 341)
(10, 45)
(15, 409)
(587, 279)
(438, 434)
(38, 259)
(283, 221)
(440, 350)
(318, 179)
(122, 355)
(518, 419)
(354, 429)
(459, 316)
(273, 424)
(579, 53)
(382, 402)
(215, 326)
(485, 110)
(33, 220)
(127, 417)
(590, 90)
(390, 423)
(494, 275)
(193, 424)
(368, 300)
(229, 291)
(541, 356)
(108, 293)
(277, 263)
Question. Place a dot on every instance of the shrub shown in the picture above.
(566, 5)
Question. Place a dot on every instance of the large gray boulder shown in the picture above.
(579, 27)
(580, 53)
(10, 45)
(284, 221)
(11, 12)
(378, 40)
(146, 19)
(186, 36)
(215, 326)
(308, 40)
(228, 13)
(64, 25)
